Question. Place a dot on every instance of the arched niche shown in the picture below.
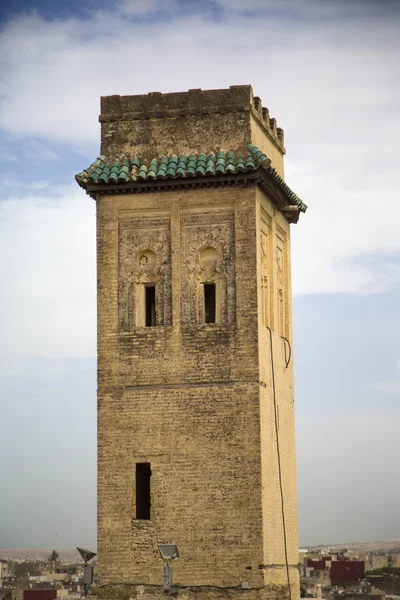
(144, 259)
(146, 293)
(147, 266)
(209, 292)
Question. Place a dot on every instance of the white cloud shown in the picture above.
(48, 274)
(334, 87)
(387, 387)
(311, 9)
(142, 8)
(15, 185)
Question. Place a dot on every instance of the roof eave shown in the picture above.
(258, 176)
(136, 187)
(282, 202)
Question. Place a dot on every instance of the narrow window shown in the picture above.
(150, 304)
(143, 474)
(209, 302)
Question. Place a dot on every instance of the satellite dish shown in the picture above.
(86, 554)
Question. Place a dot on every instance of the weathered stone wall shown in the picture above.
(184, 398)
(267, 144)
(274, 257)
(187, 399)
(188, 122)
(193, 400)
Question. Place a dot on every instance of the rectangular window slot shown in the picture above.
(209, 302)
(150, 304)
(143, 474)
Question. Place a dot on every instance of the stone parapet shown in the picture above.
(220, 119)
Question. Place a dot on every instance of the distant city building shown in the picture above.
(40, 594)
(347, 571)
(3, 569)
(388, 583)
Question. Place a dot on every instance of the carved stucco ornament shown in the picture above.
(208, 249)
(144, 257)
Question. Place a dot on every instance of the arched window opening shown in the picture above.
(209, 302)
(210, 280)
(150, 304)
(143, 502)
(146, 292)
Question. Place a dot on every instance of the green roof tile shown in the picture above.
(182, 164)
(210, 166)
(200, 169)
(249, 164)
(102, 172)
(142, 173)
(103, 178)
(172, 166)
(153, 169)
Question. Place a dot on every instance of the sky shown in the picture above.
(328, 71)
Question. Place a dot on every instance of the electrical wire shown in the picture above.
(287, 344)
(279, 460)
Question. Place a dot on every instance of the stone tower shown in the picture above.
(196, 442)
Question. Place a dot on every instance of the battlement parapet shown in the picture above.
(155, 105)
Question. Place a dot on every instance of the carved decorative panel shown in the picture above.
(265, 278)
(281, 283)
(144, 258)
(207, 255)
(266, 267)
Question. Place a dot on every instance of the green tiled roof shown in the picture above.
(129, 170)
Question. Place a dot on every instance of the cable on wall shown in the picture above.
(289, 347)
(279, 459)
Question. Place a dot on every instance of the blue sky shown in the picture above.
(328, 72)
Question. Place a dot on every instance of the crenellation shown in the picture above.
(280, 134)
(156, 102)
(268, 123)
(257, 105)
(265, 116)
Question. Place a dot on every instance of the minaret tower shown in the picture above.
(196, 441)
